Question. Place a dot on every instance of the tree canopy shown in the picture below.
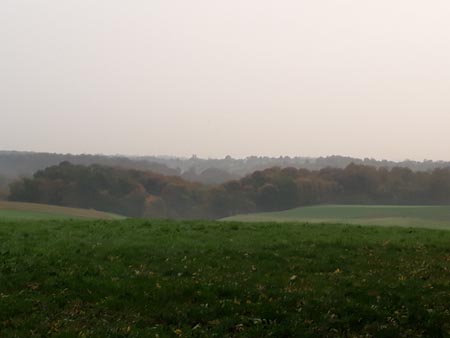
(140, 193)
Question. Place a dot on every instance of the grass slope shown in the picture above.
(209, 279)
(19, 210)
(416, 216)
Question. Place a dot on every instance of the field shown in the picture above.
(408, 216)
(19, 210)
(137, 278)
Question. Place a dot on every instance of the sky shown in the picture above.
(213, 78)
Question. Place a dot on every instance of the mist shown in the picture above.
(214, 78)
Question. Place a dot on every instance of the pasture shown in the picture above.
(437, 217)
(33, 211)
(140, 278)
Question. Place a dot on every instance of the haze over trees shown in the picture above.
(15, 164)
(139, 193)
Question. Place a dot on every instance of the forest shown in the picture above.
(139, 193)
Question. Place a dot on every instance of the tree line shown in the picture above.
(138, 193)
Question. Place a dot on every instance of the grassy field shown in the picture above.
(408, 216)
(32, 211)
(134, 278)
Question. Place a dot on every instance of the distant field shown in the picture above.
(18, 210)
(141, 278)
(407, 216)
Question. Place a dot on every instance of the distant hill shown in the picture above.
(15, 164)
(240, 167)
(20, 210)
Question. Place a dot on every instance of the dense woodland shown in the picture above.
(4, 184)
(139, 193)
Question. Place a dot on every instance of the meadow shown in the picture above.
(140, 278)
(437, 217)
(34, 211)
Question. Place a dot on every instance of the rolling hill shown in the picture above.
(19, 210)
(406, 216)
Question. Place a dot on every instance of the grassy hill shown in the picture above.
(137, 278)
(19, 210)
(409, 216)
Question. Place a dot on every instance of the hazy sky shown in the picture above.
(211, 77)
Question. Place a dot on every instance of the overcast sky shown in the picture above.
(210, 77)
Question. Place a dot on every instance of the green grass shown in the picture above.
(417, 216)
(33, 211)
(134, 278)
